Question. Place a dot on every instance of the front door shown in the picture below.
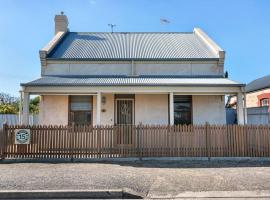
(124, 111)
(124, 121)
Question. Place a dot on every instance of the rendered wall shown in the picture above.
(53, 110)
(107, 110)
(87, 69)
(178, 69)
(209, 109)
(181, 68)
(151, 108)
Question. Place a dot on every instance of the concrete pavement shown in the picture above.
(152, 179)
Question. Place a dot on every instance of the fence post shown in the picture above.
(99, 140)
(71, 140)
(207, 139)
(3, 141)
(139, 132)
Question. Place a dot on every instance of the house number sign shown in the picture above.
(22, 136)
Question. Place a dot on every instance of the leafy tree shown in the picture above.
(8, 109)
(10, 105)
(34, 105)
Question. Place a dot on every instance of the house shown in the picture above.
(258, 92)
(103, 78)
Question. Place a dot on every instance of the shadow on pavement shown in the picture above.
(155, 163)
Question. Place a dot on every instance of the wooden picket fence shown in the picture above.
(137, 141)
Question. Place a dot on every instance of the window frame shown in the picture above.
(69, 110)
(261, 102)
(190, 110)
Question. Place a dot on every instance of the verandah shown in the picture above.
(138, 141)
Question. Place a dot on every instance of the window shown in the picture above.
(80, 110)
(182, 109)
(264, 102)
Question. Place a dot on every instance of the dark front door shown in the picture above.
(124, 111)
(124, 121)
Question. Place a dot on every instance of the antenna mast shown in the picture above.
(164, 21)
(112, 26)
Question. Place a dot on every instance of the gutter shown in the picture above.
(128, 85)
(132, 59)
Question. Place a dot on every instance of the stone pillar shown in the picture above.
(171, 107)
(240, 108)
(25, 109)
(98, 120)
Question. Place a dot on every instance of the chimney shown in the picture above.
(61, 23)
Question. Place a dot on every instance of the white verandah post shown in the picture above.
(25, 109)
(171, 107)
(98, 121)
(240, 108)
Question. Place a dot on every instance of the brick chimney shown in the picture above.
(61, 23)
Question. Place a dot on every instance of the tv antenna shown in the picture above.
(164, 21)
(112, 26)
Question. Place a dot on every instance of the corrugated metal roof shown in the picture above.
(130, 81)
(258, 84)
(136, 46)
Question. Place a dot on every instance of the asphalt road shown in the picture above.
(149, 178)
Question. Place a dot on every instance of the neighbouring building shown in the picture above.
(258, 92)
(131, 78)
(257, 101)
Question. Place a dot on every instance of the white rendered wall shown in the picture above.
(53, 110)
(209, 109)
(183, 68)
(151, 108)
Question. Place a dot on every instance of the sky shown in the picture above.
(240, 27)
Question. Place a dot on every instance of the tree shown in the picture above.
(34, 105)
(10, 105)
(8, 109)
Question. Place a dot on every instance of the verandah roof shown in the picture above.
(131, 81)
